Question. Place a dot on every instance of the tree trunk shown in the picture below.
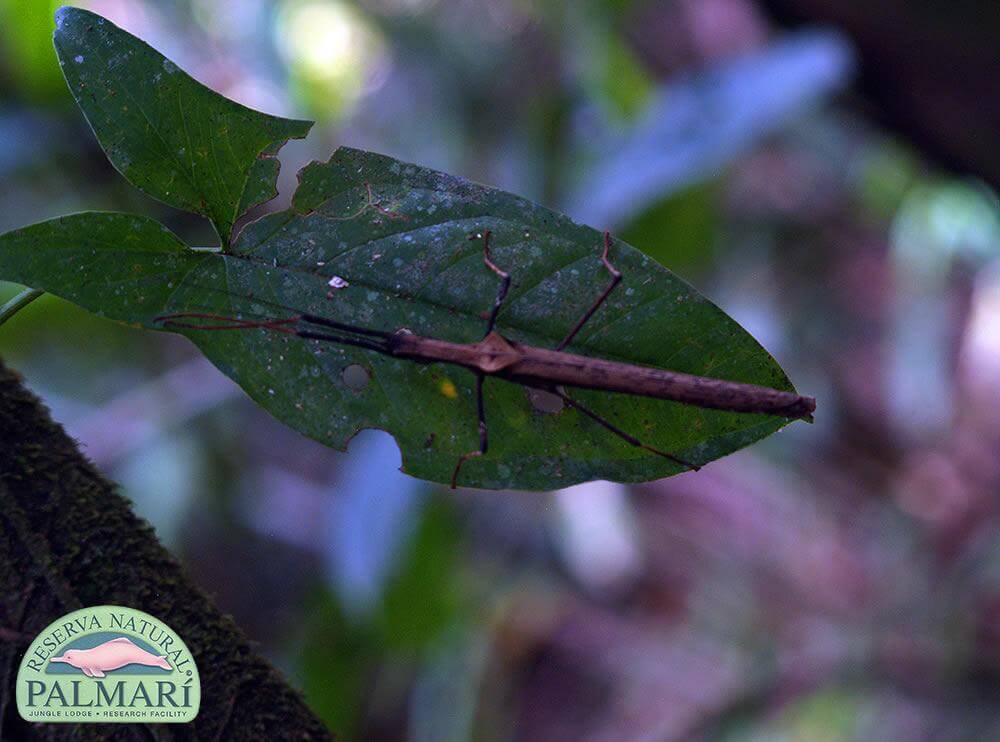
(68, 540)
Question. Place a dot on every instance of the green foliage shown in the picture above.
(25, 28)
(339, 653)
(682, 228)
(424, 599)
(168, 134)
(407, 241)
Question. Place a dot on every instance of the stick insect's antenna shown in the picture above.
(226, 322)
(314, 319)
(357, 337)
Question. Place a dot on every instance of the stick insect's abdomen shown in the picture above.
(543, 368)
(538, 366)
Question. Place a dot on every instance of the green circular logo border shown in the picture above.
(103, 696)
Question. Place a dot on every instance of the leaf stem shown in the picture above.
(18, 303)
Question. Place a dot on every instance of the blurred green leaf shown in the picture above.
(39, 339)
(331, 49)
(25, 33)
(339, 657)
(168, 134)
(626, 83)
(680, 230)
(336, 662)
(424, 599)
(887, 171)
(829, 715)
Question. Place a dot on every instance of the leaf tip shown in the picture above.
(61, 14)
(303, 127)
(66, 14)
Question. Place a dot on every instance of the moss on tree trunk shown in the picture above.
(68, 540)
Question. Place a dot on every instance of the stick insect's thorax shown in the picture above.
(490, 355)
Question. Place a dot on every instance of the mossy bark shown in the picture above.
(69, 540)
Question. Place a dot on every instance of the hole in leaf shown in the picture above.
(545, 402)
(356, 377)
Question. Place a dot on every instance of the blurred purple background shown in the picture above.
(837, 581)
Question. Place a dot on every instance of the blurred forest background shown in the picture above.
(830, 190)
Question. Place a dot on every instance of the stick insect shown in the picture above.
(537, 368)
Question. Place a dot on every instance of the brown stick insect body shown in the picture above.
(539, 368)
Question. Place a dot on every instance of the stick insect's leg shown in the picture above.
(481, 378)
(504, 282)
(616, 278)
(483, 432)
(561, 393)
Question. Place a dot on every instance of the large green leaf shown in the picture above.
(166, 133)
(401, 247)
(400, 236)
(116, 265)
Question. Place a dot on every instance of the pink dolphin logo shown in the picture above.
(110, 656)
